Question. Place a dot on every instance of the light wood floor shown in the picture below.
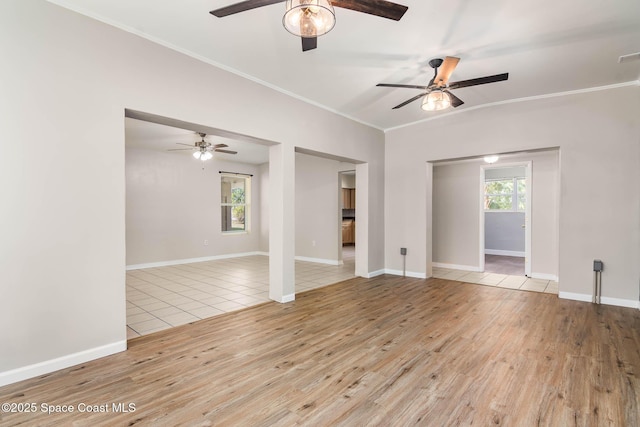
(387, 351)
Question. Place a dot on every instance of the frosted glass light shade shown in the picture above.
(436, 100)
(309, 18)
(491, 159)
(203, 155)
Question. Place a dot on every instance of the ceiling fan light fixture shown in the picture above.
(197, 154)
(436, 100)
(491, 159)
(206, 156)
(309, 18)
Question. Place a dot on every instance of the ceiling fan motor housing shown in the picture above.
(435, 63)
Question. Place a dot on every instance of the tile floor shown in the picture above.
(522, 283)
(162, 297)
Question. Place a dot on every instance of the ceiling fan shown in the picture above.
(203, 149)
(437, 95)
(310, 19)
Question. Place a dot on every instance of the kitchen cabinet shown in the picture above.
(348, 198)
(348, 232)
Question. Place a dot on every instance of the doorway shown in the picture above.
(347, 216)
(505, 219)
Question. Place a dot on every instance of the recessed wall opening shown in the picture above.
(497, 224)
(198, 232)
(195, 245)
(326, 210)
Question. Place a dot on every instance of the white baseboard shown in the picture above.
(318, 260)
(457, 267)
(225, 256)
(620, 302)
(574, 297)
(603, 300)
(372, 274)
(48, 366)
(408, 273)
(192, 260)
(285, 298)
(504, 253)
(544, 276)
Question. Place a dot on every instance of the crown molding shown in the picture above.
(516, 100)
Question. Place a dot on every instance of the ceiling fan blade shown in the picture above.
(242, 6)
(455, 101)
(479, 81)
(408, 101)
(220, 146)
(406, 86)
(382, 8)
(217, 150)
(188, 145)
(309, 43)
(445, 70)
(180, 149)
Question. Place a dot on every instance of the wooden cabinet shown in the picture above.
(348, 232)
(348, 198)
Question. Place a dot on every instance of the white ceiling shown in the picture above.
(153, 136)
(546, 47)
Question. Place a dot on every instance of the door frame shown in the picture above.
(527, 211)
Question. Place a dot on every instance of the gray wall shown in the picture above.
(598, 134)
(503, 232)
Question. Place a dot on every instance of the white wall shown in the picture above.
(173, 206)
(598, 135)
(69, 79)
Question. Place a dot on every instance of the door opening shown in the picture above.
(505, 218)
(347, 216)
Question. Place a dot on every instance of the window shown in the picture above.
(508, 195)
(235, 192)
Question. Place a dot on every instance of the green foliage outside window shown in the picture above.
(238, 198)
(234, 203)
(500, 195)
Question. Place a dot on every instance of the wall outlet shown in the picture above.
(313, 243)
(206, 243)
